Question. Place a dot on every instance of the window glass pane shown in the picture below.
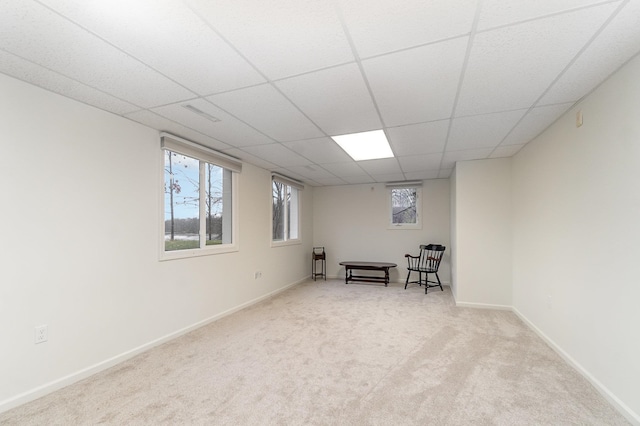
(214, 203)
(181, 202)
(287, 216)
(293, 214)
(403, 204)
(285, 202)
(278, 190)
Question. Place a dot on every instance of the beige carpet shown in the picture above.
(326, 353)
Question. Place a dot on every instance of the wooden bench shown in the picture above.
(350, 266)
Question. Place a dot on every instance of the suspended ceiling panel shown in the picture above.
(269, 82)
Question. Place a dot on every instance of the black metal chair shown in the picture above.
(427, 262)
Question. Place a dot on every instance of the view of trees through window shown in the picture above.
(183, 226)
(285, 212)
(403, 205)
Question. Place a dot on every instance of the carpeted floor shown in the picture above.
(326, 353)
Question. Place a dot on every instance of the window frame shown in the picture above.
(404, 226)
(204, 155)
(299, 187)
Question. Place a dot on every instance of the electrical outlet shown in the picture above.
(257, 275)
(42, 334)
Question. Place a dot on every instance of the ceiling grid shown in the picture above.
(446, 80)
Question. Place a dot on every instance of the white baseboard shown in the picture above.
(480, 305)
(483, 306)
(627, 412)
(54, 385)
(622, 408)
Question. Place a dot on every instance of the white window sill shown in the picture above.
(405, 226)
(285, 243)
(186, 254)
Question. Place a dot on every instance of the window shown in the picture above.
(405, 205)
(285, 211)
(198, 207)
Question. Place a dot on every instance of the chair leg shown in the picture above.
(439, 283)
(407, 281)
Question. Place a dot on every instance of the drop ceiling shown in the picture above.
(269, 81)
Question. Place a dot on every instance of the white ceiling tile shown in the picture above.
(510, 68)
(381, 26)
(392, 177)
(264, 108)
(420, 163)
(277, 154)
(417, 85)
(336, 99)
(536, 120)
(281, 37)
(423, 175)
(482, 131)
(505, 151)
(331, 181)
(17, 67)
(228, 129)
(321, 150)
(167, 36)
(344, 170)
(449, 159)
(156, 121)
(416, 139)
(245, 156)
(499, 12)
(619, 41)
(382, 166)
(41, 36)
(313, 172)
(444, 173)
(353, 180)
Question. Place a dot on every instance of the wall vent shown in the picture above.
(202, 113)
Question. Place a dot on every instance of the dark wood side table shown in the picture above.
(318, 254)
(350, 266)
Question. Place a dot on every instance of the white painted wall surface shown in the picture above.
(483, 232)
(79, 251)
(454, 234)
(351, 222)
(576, 235)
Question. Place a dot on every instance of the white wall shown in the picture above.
(483, 232)
(454, 234)
(576, 234)
(80, 215)
(351, 222)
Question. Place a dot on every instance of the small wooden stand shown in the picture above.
(319, 255)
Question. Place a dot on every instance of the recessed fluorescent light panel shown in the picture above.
(366, 145)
